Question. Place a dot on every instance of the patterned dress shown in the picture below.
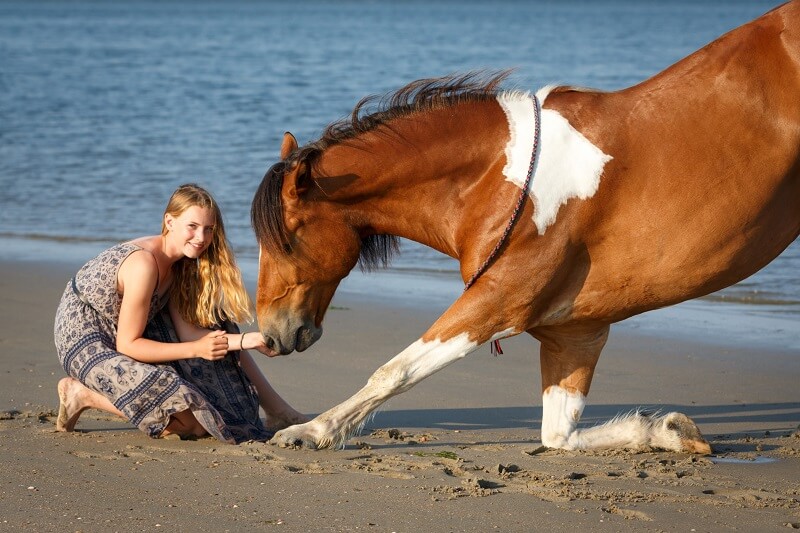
(219, 393)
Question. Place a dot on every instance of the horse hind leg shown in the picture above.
(672, 431)
(568, 359)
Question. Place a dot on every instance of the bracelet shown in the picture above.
(241, 342)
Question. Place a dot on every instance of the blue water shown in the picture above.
(105, 107)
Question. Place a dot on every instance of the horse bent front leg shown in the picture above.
(568, 358)
(449, 339)
(412, 365)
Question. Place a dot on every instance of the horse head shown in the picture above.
(340, 201)
(307, 246)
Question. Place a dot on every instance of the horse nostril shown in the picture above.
(304, 338)
(270, 343)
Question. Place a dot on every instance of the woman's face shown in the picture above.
(192, 230)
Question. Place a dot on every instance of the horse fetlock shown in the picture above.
(559, 441)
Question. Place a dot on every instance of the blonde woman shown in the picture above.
(146, 331)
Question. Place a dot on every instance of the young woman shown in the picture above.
(146, 330)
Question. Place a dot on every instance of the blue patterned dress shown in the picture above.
(218, 393)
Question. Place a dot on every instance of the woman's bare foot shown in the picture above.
(278, 421)
(71, 407)
(74, 399)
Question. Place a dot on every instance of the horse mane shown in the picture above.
(369, 113)
(418, 96)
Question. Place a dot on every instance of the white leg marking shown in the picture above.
(417, 362)
(503, 334)
(631, 431)
(420, 360)
(568, 165)
(562, 411)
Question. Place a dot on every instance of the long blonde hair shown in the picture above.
(209, 289)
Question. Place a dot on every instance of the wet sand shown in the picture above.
(459, 452)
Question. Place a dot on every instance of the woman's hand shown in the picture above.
(255, 341)
(212, 346)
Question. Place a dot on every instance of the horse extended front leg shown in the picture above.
(459, 331)
(569, 355)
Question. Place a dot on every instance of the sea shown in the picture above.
(107, 106)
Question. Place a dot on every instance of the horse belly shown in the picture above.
(684, 249)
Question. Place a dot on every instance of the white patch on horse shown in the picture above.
(420, 360)
(424, 358)
(561, 412)
(567, 165)
(503, 334)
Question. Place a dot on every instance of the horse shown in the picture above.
(628, 201)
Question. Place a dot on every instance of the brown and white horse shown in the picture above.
(640, 198)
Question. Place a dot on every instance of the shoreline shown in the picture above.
(461, 448)
(706, 321)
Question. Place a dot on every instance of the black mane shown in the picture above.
(421, 95)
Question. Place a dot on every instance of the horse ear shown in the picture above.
(298, 180)
(288, 145)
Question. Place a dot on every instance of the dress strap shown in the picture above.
(160, 300)
(158, 271)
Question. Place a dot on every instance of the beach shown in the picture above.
(108, 106)
(460, 452)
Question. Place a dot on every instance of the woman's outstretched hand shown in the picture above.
(212, 346)
(255, 341)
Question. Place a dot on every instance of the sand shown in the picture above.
(460, 452)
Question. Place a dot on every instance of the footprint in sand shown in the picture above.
(628, 514)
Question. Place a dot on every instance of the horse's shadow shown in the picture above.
(781, 416)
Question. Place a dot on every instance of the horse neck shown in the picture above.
(420, 176)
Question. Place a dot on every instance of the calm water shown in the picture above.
(105, 107)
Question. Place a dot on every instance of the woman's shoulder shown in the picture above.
(138, 268)
(106, 266)
(149, 243)
(140, 259)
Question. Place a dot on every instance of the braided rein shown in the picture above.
(514, 215)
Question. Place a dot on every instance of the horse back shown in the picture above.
(704, 186)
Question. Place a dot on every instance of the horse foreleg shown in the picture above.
(409, 367)
(462, 328)
(568, 358)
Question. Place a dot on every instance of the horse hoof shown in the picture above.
(691, 440)
(294, 437)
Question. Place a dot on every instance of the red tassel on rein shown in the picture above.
(496, 349)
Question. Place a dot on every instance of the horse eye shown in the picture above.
(287, 248)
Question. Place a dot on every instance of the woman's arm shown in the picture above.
(137, 278)
(190, 332)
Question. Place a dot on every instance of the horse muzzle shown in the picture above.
(288, 338)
